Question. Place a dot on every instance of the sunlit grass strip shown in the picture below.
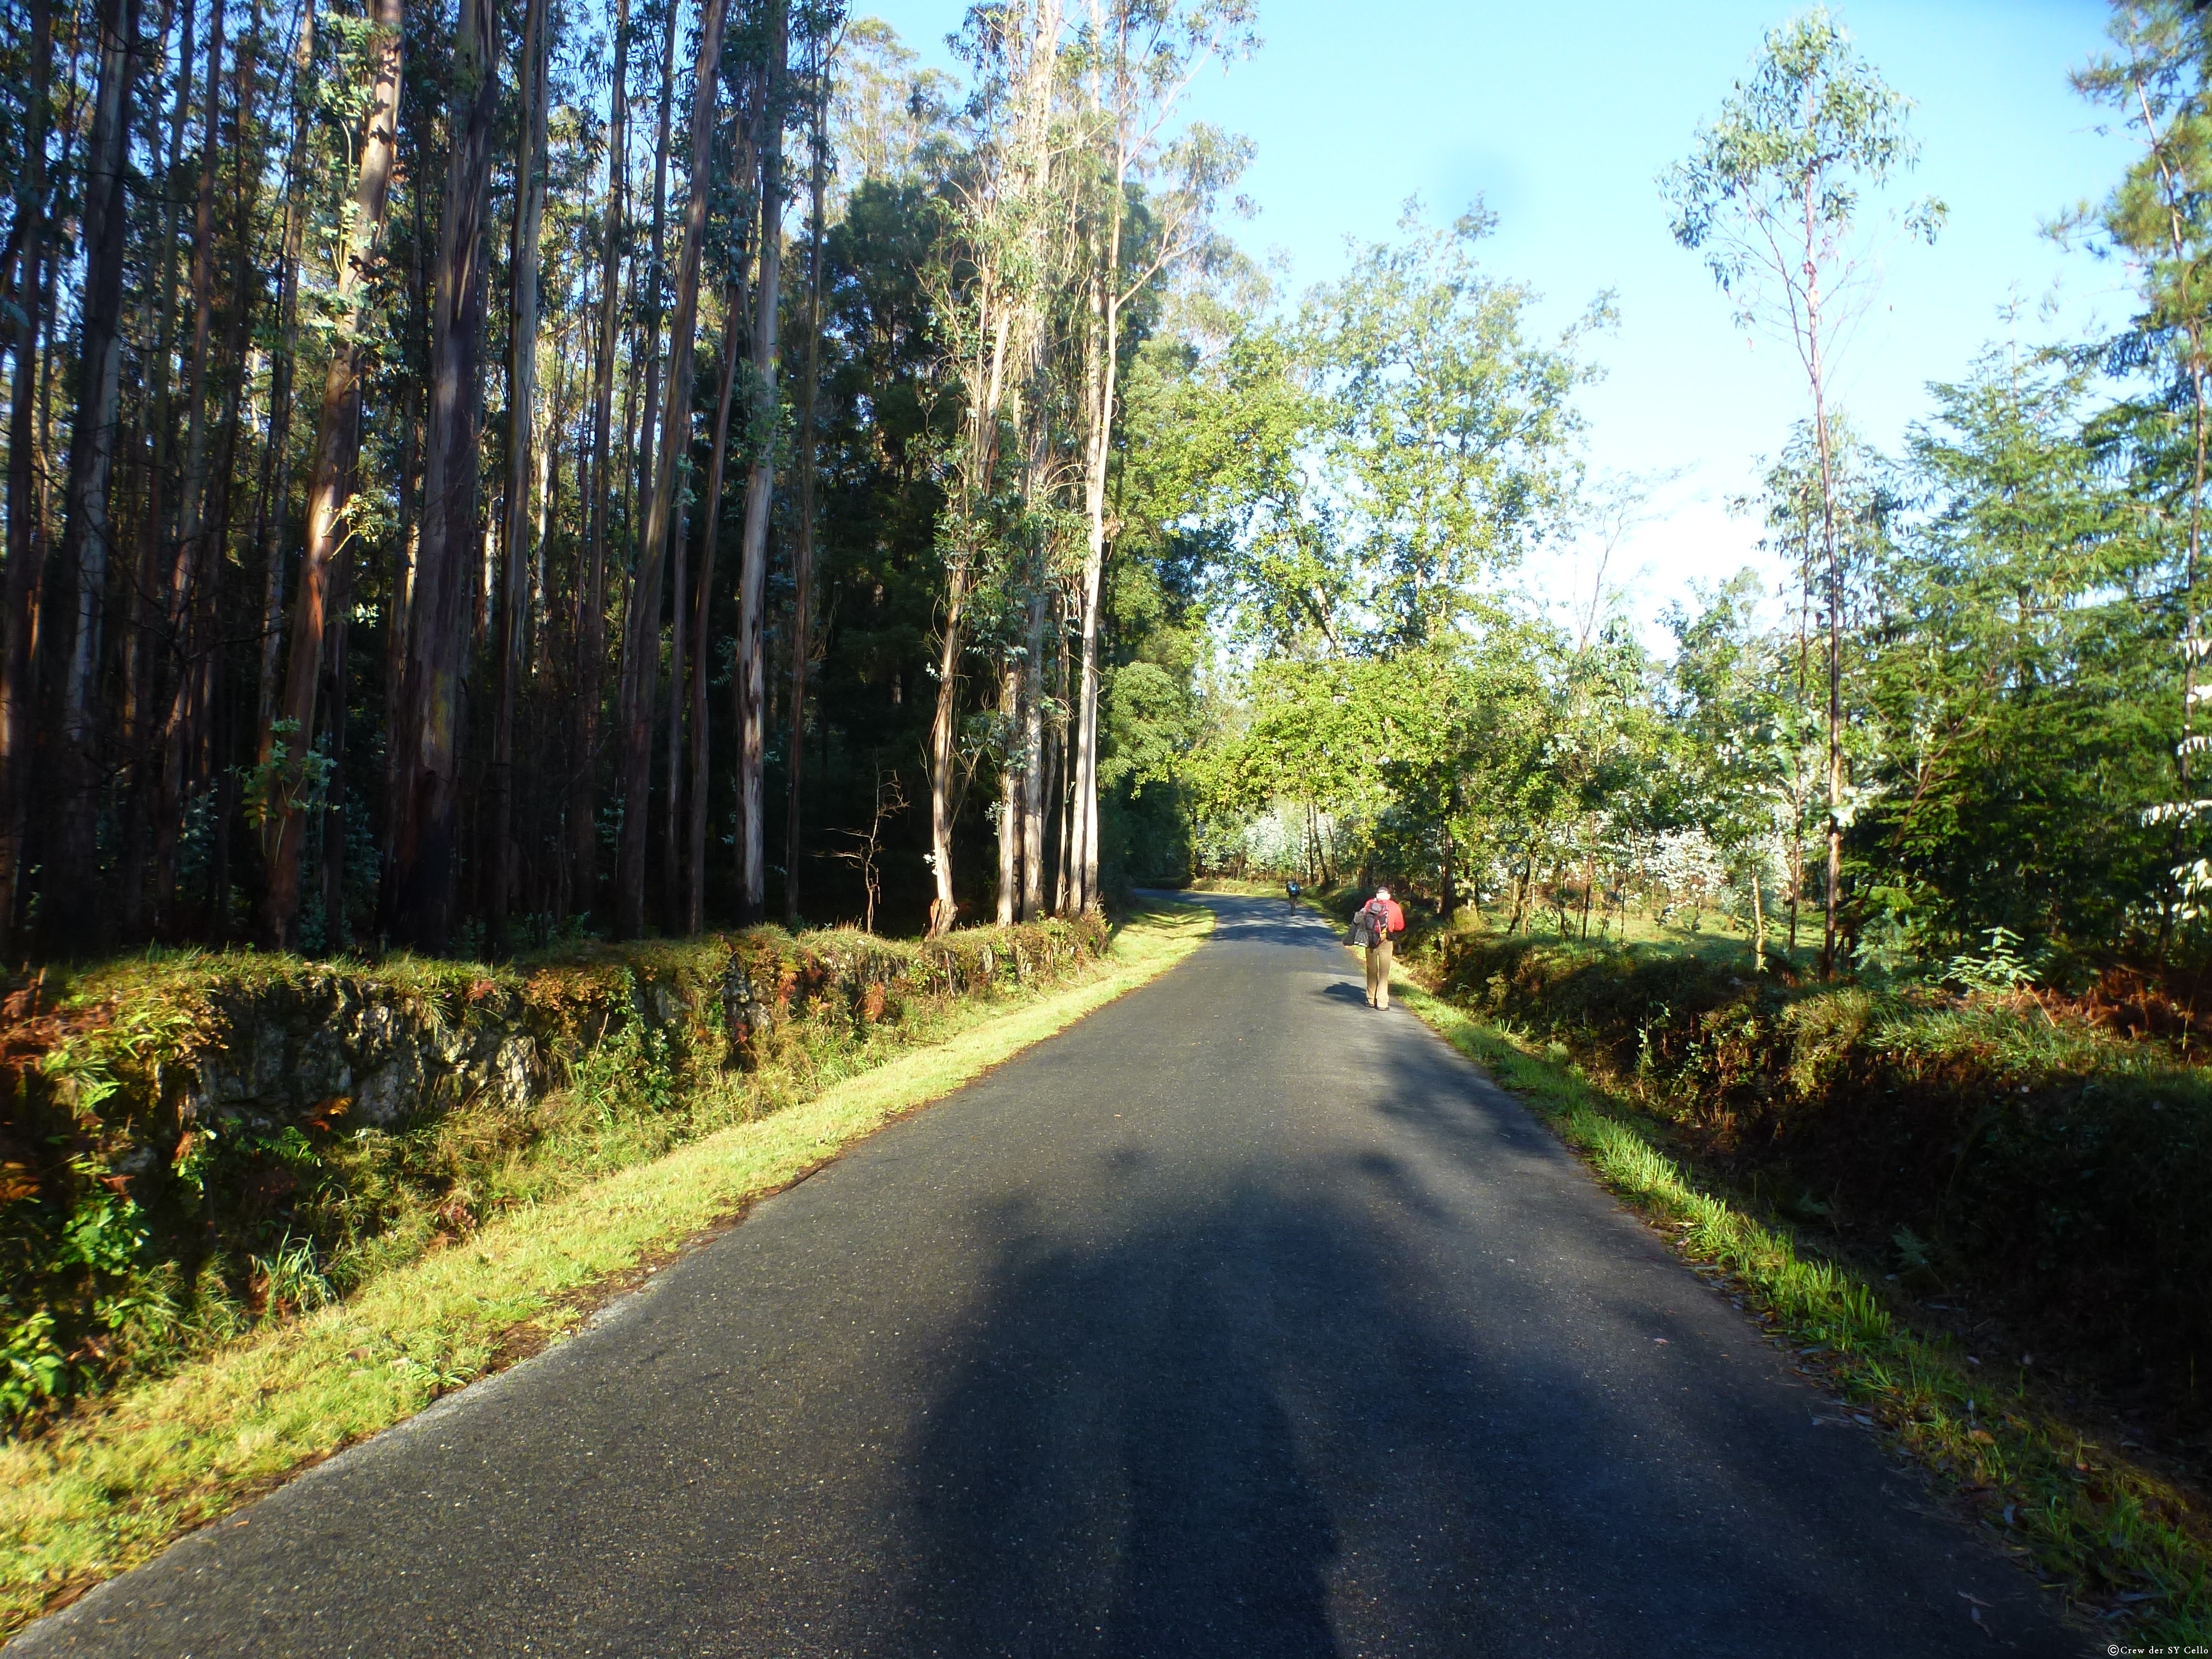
(108, 1489)
(2113, 1536)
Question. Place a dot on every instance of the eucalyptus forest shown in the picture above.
(477, 476)
(602, 597)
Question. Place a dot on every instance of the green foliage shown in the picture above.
(1998, 968)
(1770, 194)
(2111, 1532)
(166, 1218)
(2053, 1164)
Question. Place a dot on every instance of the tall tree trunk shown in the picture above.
(943, 749)
(1021, 701)
(675, 902)
(591, 633)
(675, 442)
(655, 282)
(419, 905)
(25, 542)
(1057, 796)
(1101, 379)
(334, 806)
(641, 660)
(1033, 753)
(1824, 436)
(802, 598)
(522, 401)
(1010, 795)
(734, 319)
(1000, 302)
(275, 486)
(641, 656)
(406, 545)
(151, 834)
(88, 533)
(328, 481)
(183, 723)
(760, 483)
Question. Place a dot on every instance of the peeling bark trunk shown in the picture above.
(1033, 754)
(802, 600)
(1009, 794)
(329, 483)
(88, 534)
(675, 440)
(419, 904)
(19, 607)
(760, 483)
(590, 631)
(522, 403)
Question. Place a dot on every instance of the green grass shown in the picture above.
(2115, 1537)
(110, 1486)
(141, 1227)
(1237, 887)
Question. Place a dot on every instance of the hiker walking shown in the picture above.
(1377, 926)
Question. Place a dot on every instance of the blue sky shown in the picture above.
(1561, 117)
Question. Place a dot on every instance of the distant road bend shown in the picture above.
(1239, 1319)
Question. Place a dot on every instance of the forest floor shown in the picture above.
(113, 1484)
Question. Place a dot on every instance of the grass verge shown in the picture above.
(108, 1488)
(2123, 1545)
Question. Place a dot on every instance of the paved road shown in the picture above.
(1238, 1319)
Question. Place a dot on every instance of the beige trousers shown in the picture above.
(1379, 957)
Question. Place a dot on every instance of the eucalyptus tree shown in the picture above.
(88, 531)
(1731, 720)
(888, 120)
(822, 77)
(2158, 218)
(285, 742)
(760, 484)
(988, 286)
(1797, 505)
(524, 269)
(1772, 194)
(425, 808)
(1448, 434)
(1137, 59)
(25, 551)
(591, 632)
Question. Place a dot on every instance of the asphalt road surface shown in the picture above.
(1239, 1319)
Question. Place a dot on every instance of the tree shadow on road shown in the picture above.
(1111, 1472)
(1265, 1428)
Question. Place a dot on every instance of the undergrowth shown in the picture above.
(195, 1144)
(109, 1485)
(2117, 1538)
(1959, 1139)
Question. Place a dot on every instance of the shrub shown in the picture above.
(194, 1142)
(2056, 1166)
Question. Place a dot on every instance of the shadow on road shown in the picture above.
(1157, 1449)
(1111, 1471)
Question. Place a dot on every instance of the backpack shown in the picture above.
(1368, 927)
